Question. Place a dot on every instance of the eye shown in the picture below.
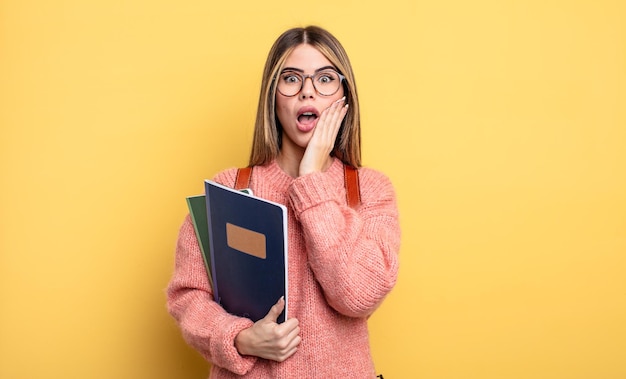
(326, 77)
(291, 78)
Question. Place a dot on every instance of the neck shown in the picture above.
(289, 163)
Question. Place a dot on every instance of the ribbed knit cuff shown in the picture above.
(224, 352)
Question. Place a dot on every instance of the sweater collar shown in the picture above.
(281, 180)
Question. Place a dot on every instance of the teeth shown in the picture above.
(307, 114)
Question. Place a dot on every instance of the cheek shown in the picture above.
(282, 110)
(341, 93)
(329, 101)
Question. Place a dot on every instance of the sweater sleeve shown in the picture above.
(353, 253)
(205, 325)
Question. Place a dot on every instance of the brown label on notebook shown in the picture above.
(246, 240)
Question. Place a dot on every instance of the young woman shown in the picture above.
(342, 260)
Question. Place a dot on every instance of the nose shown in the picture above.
(308, 90)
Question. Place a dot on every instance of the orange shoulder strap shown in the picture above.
(351, 182)
(243, 178)
(350, 175)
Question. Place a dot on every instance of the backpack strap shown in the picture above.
(351, 182)
(243, 178)
(350, 178)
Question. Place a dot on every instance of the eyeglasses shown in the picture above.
(326, 82)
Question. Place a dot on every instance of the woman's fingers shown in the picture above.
(323, 139)
(330, 121)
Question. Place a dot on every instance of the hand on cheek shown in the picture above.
(322, 142)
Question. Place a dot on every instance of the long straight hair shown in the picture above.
(267, 139)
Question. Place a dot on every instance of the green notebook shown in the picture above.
(197, 210)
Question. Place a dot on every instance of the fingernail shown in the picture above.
(340, 100)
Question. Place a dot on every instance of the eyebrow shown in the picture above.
(302, 71)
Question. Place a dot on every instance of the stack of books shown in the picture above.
(243, 240)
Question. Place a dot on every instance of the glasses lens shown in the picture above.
(327, 82)
(289, 83)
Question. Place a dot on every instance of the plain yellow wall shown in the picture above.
(501, 123)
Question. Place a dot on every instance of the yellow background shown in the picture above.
(501, 123)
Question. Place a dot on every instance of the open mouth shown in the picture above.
(307, 117)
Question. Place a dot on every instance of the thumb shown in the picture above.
(276, 310)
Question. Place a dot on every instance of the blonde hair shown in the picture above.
(267, 139)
